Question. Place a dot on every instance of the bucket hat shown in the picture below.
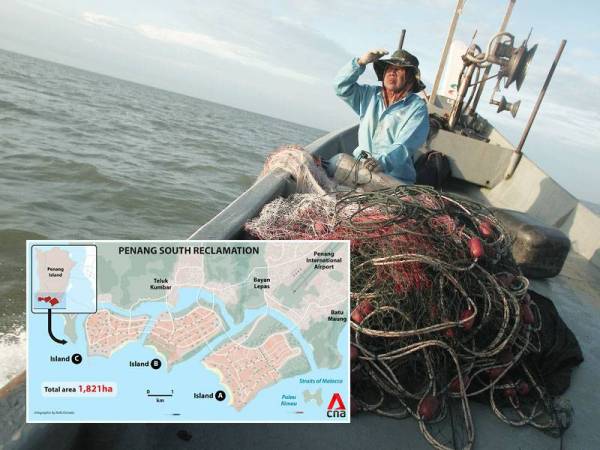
(400, 58)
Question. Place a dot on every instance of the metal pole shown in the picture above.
(517, 152)
(460, 96)
(486, 73)
(436, 84)
(509, 9)
(401, 39)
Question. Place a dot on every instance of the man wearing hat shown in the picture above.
(393, 119)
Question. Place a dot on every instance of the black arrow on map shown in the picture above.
(54, 338)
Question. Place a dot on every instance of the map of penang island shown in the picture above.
(188, 331)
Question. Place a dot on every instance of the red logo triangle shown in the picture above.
(336, 398)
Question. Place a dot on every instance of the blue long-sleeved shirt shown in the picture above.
(391, 135)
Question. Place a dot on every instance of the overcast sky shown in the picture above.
(279, 58)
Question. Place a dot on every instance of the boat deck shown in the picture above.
(575, 292)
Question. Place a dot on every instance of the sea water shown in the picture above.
(85, 156)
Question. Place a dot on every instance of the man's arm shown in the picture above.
(346, 86)
(396, 158)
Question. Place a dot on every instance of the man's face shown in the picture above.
(395, 79)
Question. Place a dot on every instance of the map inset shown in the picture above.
(63, 278)
(188, 331)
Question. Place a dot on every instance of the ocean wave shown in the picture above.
(52, 168)
(13, 348)
(160, 125)
(42, 92)
(21, 77)
(8, 236)
(130, 107)
(9, 120)
(9, 106)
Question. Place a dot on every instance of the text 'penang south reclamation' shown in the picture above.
(189, 250)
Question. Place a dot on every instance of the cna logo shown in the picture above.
(332, 410)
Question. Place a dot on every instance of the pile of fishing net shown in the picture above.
(440, 311)
(305, 169)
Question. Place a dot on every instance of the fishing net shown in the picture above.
(440, 311)
(302, 166)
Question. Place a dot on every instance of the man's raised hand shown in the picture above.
(372, 55)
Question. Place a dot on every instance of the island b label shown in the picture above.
(188, 331)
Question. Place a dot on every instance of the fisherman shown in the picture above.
(394, 121)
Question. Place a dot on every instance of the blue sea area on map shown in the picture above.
(80, 295)
(183, 379)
